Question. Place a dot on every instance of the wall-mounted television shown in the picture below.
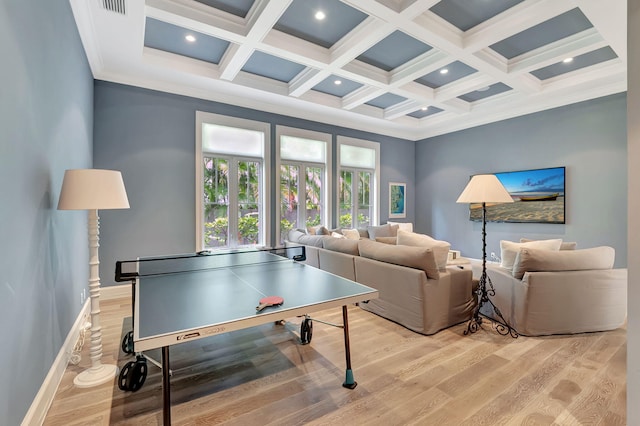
(538, 195)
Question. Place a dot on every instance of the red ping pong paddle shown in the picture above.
(269, 301)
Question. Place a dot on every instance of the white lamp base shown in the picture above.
(96, 376)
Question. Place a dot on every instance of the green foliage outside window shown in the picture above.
(248, 230)
(215, 233)
(346, 220)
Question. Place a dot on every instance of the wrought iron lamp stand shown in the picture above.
(486, 290)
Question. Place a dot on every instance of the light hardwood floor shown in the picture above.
(261, 376)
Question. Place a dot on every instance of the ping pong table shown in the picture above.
(182, 298)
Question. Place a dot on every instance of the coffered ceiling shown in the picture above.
(406, 68)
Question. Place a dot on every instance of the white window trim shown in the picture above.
(241, 123)
(345, 140)
(328, 167)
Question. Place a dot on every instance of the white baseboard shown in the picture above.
(41, 403)
(115, 291)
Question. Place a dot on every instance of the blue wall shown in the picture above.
(150, 137)
(46, 122)
(588, 138)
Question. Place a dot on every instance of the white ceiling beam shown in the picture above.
(463, 86)
(513, 21)
(402, 108)
(262, 17)
(196, 17)
(577, 44)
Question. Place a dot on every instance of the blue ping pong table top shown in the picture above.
(177, 307)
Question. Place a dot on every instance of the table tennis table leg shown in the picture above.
(349, 383)
(166, 391)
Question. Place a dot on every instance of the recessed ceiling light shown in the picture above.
(337, 82)
(320, 15)
(567, 60)
(424, 108)
(190, 38)
(444, 71)
(483, 89)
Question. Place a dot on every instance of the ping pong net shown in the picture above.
(129, 270)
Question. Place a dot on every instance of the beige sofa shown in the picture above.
(413, 291)
(559, 292)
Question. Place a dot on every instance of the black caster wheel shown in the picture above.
(306, 331)
(127, 343)
(133, 374)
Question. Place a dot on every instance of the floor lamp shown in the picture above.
(483, 189)
(93, 190)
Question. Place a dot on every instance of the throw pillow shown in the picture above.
(440, 248)
(532, 259)
(318, 230)
(404, 226)
(351, 234)
(413, 257)
(509, 249)
(337, 235)
(381, 231)
(566, 245)
(341, 245)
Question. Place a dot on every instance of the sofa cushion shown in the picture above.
(535, 260)
(295, 234)
(385, 230)
(405, 226)
(343, 245)
(387, 240)
(313, 240)
(413, 257)
(440, 248)
(566, 245)
(351, 234)
(509, 249)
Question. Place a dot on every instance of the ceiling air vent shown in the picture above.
(114, 6)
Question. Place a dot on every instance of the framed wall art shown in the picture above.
(397, 200)
(538, 195)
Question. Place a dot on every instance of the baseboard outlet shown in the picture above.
(41, 403)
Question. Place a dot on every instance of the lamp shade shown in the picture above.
(484, 189)
(89, 189)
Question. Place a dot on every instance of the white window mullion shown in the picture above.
(233, 202)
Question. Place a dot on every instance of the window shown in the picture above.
(304, 162)
(358, 185)
(232, 164)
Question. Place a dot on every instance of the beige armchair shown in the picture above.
(559, 292)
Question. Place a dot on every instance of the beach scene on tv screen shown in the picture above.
(538, 195)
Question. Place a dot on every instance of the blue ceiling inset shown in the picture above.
(557, 28)
(386, 100)
(425, 113)
(466, 14)
(492, 90)
(236, 7)
(266, 65)
(170, 38)
(456, 70)
(393, 51)
(585, 60)
(298, 20)
(329, 86)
